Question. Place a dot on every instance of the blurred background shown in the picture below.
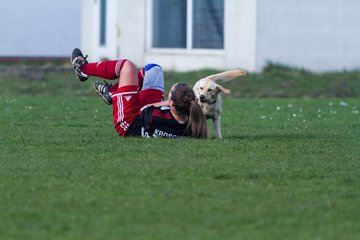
(186, 35)
(39, 28)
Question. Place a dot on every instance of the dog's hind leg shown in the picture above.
(217, 125)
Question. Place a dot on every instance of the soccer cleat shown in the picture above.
(78, 60)
(81, 76)
(103, 90)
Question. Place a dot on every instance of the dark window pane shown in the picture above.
(102, 22)
(169, 23)
(208, 24)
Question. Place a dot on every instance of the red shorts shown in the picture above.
(127, 102)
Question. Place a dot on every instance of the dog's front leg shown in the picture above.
(217, 125)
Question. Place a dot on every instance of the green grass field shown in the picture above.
(286, 169)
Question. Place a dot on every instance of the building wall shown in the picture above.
(125, 30)
(133, 23)
(90, 32)
(240, 34)
(316, 35)
(39, 28)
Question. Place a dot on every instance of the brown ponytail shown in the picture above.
(184, 100)
(197, 121)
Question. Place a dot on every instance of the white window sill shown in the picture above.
(184, 51)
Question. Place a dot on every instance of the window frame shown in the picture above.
(189, 34)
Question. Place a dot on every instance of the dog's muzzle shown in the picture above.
(209, 101)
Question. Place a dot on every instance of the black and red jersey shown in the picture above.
(157, 122)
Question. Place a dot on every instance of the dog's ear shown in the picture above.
(227, 75)
(221, 89)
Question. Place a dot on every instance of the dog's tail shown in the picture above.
(227, 75)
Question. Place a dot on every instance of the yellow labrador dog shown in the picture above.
(208, 94)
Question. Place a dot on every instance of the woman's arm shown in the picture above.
(160, 104)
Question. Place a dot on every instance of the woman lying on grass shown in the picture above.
(137, 99)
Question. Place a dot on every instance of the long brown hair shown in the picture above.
(184, 102)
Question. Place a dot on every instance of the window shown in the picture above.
(169, 24)
(191, 24)
(102, 22)
(208, 24)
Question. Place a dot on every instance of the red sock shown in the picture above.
(108, 69)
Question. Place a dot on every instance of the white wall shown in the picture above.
(39, 28)
(90, 30)
(87, 30)
(125, 33)
(240, 34)
(317, 35)
(134, 22)
(184, 60)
